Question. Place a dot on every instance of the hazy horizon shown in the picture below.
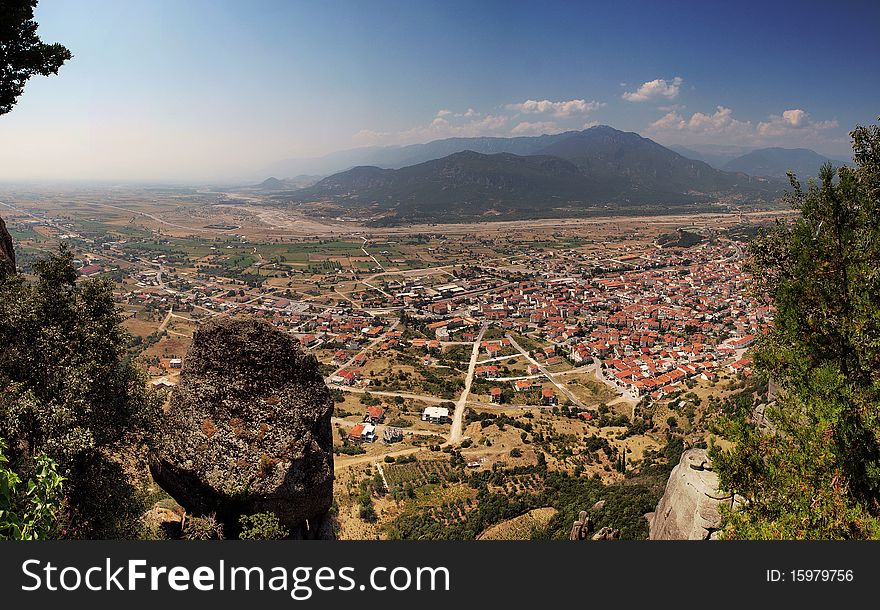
(195, 92)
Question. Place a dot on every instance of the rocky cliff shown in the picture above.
(248, 430)
(690, 506)
(7, 254)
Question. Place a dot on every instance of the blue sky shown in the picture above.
(199, 90)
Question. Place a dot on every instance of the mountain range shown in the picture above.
(776, 162)
(540, 176)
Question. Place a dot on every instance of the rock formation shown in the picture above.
(248, 430)
(7, 254)
(582, 527)
(690, 506)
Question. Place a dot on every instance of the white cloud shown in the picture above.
(793, 127)
(557, 109)
(448, 126)
(721, 122)
(537, 128)
(795, 119)
(546, 116)
(368, 136)
(658, 88)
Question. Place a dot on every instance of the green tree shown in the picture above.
(813, 469)
(262, 526)
(22, 53)
(31, 513)
(69, 391)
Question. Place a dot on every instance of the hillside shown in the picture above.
(775, 162)
(639, 168)
(598, 167)
(465, 183)
(395, 157)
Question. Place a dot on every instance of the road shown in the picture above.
(351, 360)
(574, 399)
(166, 320)
(458, 417)
(341, 462)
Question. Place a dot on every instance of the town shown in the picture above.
(620, 331)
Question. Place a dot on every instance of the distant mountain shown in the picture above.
(716, 158)
(775, 162)
(288, 184)
(395, 157)
(637, 165)
(600, 166)
(271, 184)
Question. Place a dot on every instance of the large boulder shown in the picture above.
(7, 254)
(248, 430)
(690, 506)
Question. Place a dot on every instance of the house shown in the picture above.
(307, 340)
(548, 396)
(740, 364)
(521, 385)
(495, 395)
(392, 435)
(532, 369)
(356, 433)
(436, 415)
(90, 270)
(362, 433)
(375, 415)
(346, 377)
(176, 363)
(488, 372)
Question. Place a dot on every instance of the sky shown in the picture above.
(197, 90)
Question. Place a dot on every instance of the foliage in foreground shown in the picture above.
(69, 392)
(22, 53)
(813, 471)
(32, 512)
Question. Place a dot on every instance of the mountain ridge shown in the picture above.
(600, 166)
(775, 162)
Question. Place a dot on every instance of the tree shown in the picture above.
(22, 53)
(262, 526)
(813, 470)
(31, 513)
(69, 391)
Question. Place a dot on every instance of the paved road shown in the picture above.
(548, 374)
(458, 417)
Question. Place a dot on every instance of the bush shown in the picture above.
(262, 526)
(202, 528)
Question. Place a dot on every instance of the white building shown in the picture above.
(436, 415)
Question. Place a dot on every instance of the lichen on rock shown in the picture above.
(248, 429)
